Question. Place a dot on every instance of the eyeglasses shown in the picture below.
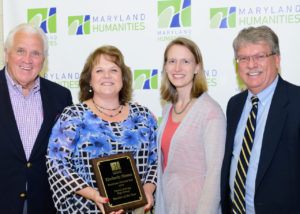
(256, 58)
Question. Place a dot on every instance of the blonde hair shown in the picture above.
(168, 91)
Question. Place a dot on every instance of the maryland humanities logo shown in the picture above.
(230, 17)
(146, 79)
(43, 17)
(174, 18)
(79, 25)
(46, 19)
(88, 24)
(119, 22)
(174, 13)
(223, 17)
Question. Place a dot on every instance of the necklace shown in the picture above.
(108, 115)
(186, 105)
(108, 109)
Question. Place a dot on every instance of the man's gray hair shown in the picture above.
(28, 28)
(257, 35)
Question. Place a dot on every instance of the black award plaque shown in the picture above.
(118, 179)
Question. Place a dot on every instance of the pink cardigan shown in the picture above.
(191, 180)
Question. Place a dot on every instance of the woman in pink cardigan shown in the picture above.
(191, 136)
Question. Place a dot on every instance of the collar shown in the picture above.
(18, 87)
(265, 94)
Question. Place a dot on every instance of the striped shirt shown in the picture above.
(28, 112)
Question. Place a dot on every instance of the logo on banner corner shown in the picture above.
(146, 79)
(45, 18)
(174, 13)
(224, 17)
(79, 25)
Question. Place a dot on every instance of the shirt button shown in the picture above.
(28, 164)
(22, 195)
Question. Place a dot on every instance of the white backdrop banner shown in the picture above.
(141, 29)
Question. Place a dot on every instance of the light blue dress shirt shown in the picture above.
(265, 98)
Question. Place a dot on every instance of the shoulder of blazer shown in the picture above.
(235, 100)
(293, 90)
(53, 86)
(55, 91)
(2, 76)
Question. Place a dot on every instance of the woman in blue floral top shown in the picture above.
(104, 123)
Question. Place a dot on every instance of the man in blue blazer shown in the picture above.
(268, 182)
(29, 106)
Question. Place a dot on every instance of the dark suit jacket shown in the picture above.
(14, 168)
(277, 187)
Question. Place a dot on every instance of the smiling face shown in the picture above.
(106, 78)
(257, 75)
(181, 67)
(25, 59)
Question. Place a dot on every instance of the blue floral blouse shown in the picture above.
(79, 136)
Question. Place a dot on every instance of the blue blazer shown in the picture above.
(277, 187)
(14, 168)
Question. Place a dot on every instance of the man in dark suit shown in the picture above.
(29, 106)
(261, 166)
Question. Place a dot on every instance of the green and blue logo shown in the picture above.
(231, 17)
(45, 18)
(174, 13)
(79, 25)
(146, 79)
(223, 17)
